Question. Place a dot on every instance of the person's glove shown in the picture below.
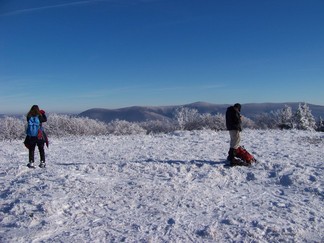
(42, 112)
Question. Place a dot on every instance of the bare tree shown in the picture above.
(186, 117)
(11, 128)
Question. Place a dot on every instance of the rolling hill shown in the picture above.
(147, 113)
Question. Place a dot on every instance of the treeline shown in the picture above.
(184, 119)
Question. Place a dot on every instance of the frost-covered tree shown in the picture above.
(213, 122)
(266, 121)
(121, 127)
(320, 125)
(186, 118)
(284, 117)
(248, 123)
(158, 126)
(303, 118)
(65, 125)
(12, 128)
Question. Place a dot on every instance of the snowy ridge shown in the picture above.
(165, 188)
(147, 113)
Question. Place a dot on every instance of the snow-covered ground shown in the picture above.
(165, 188)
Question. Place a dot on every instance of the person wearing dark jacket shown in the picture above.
(234, 126)
(37, 138)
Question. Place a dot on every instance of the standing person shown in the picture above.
(35, 135)
(234, 126)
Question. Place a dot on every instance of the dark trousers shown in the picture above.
(32, 145)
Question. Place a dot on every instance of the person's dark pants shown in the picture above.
(32, 145)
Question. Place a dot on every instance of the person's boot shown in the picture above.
(42, 164)
(230, 156)
(31, 165)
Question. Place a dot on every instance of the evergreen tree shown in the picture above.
(303, 119)
(320, 126)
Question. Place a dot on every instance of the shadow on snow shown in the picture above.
(198, 163)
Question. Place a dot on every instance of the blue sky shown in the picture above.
(69, 56)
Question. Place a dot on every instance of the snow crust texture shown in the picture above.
(165, 188)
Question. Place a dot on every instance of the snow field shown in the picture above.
(165, 188)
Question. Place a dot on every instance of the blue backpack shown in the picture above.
(33, 126)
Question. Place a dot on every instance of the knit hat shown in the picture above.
(238, 106)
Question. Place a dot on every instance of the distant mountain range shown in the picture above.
(147, 113)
